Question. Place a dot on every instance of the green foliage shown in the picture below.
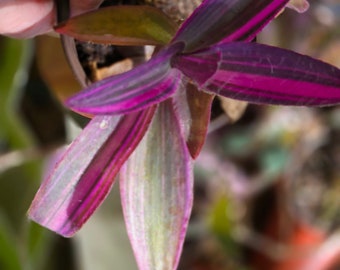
(121, 25)
(9, 255)
(23, 245)
(15, 57)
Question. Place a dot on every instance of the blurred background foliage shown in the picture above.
(267, 182)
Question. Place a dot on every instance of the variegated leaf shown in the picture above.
(86, 171)
(157, 192)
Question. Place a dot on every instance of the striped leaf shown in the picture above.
(147, 84)
(85, 173)
(157, 192)
(217, 21)
(263, 74)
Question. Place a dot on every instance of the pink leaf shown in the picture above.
(85, 173)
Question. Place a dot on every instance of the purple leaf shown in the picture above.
(157, 193)
(147, 84)
(226, 20)
(85, 173)
(262, 74)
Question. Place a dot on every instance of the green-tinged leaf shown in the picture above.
(39, 245)
(121, 25)
(18, 183)
(222, 223)
(220, 220)
(15, 58)
(9, 255)
(157, 192)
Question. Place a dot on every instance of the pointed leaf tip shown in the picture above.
(193, 108)
(85, 174)
(157, 193)
(143, 86)
(121, 25)
(216, 21)
(263, 74)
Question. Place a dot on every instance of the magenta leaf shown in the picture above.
(217, 21)
(157, 192)
(147, 84)
(262, 74)
(85, 173)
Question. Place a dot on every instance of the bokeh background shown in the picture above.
(267, 183)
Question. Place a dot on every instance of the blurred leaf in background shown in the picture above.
(31, 124)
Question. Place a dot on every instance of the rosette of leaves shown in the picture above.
(149, 124)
